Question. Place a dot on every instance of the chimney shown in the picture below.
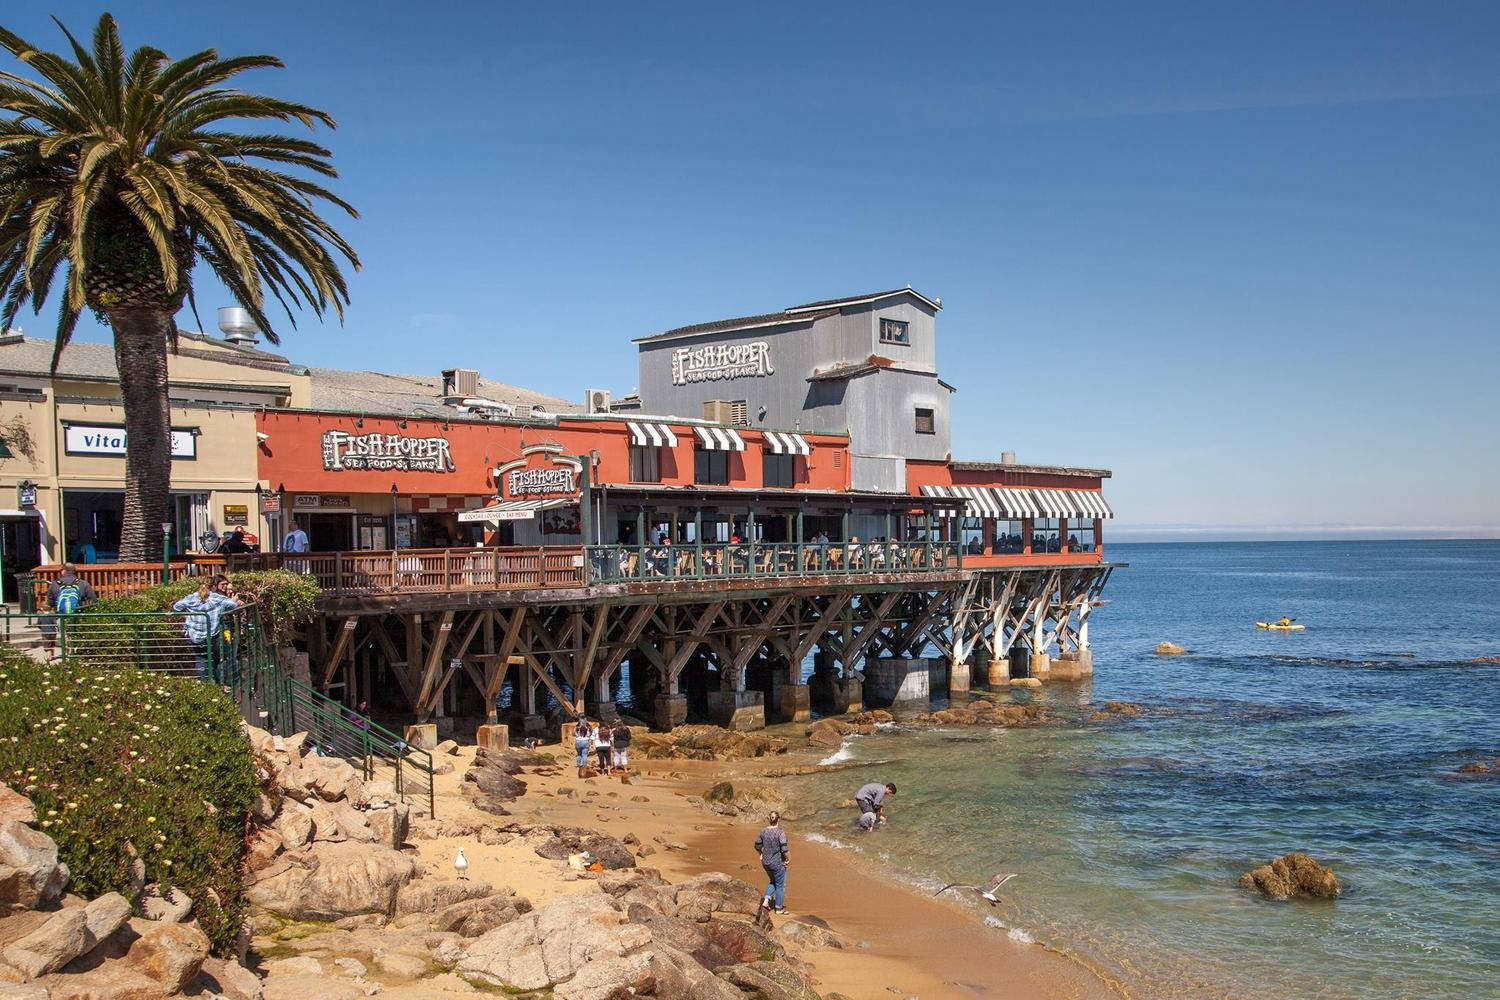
(238, 326)
(1007, 458)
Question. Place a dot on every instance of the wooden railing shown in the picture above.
(430, 570)
(118, 579)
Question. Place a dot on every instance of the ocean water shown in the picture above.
(1342, 741)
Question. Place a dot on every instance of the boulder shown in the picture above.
(826, 733)
(295, 825)
(107, 914)
(16, 991)
(171, 954)
(1169, 649)
(772, 980)
(446, 747)
(659, 971)
(173, 905)
(30, 874)
(392, 824)
(700, 898)
(111, 983)
(476, 917)
(741, 939)
(684, 935)
(333, 881)
(313, 988)
(551, 944)
(603, 848)
(60, 938)
(333, 780)
(722, 791)
(1292, 875)
(15, 806)
(228, 979)
(297, 965)
(428, 896)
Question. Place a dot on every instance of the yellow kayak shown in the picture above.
(1274, 626)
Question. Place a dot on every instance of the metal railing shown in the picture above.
(233, 650)
(733, 560)
(434, 570)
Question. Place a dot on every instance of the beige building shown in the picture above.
(62, 464)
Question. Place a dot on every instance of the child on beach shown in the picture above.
(582, 737)
(622, 747)
(605, 745)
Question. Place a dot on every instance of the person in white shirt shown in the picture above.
(296, 539)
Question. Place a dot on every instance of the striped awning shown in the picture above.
(781, 443)
(649, 435)
(719, 439)
(1006, 503)
(515, 510)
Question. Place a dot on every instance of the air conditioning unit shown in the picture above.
(596, 400)
(719, 411)
(458, 383)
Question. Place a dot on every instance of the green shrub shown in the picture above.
(127, 760)
(286, 599)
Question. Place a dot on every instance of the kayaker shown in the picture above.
(1284, 622)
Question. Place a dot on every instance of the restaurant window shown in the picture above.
(1044, 535)
(971, 536)
(645, 464)
(893, 331)
(711, 468)
(926, 423)
(779, 470)
(1010, 537)
(1081, 537)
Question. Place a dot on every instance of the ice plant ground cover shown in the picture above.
(127, 764)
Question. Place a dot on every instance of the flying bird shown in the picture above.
(461, 864)
(988, 892)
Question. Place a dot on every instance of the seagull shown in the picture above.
(461, 864)
(988, 893)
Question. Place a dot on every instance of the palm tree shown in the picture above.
(117, 174)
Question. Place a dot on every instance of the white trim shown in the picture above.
(839, 303)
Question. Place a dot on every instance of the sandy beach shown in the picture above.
(900, 942)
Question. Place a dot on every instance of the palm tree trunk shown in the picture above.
(141, 335)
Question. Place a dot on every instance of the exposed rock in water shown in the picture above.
(1169, 649)
(1479, 767)
(706, 743)
(1292, 876)
(1117, 710)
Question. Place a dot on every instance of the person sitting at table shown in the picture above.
(855, 551)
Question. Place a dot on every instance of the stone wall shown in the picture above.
(895, 682)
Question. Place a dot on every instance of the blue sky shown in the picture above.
(1245, 255)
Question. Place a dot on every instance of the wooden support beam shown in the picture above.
(586, 667)
(872, 625)
(425, 700)
(445, 677)
(690, 643)
(544, 674)
(345, 633)
(632, 635)
(836, 606)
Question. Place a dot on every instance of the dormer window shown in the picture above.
(893, 331)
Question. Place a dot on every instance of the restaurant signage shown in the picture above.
(531, 482)
(236, 513)
(718, 362)
(26, 495)
(109, 439)
(270, 503)
(319, 501)
(403, 452)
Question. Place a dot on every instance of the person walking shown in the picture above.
(871, 801)
(200, 623)
(582, 737)
(296, 539)
(67, 595)
(622, 747)
(605, 744)
(772, 847)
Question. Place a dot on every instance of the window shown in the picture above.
(1044, 535)
(1010, 537)
(893, 331)
(645, 464)
(1081, 536)
(711, 468)
(971, 536)
(926, 424)
(739, 413)
(779, 470)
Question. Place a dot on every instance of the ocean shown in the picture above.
(1341, 741)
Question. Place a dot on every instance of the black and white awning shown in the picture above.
(719, 439)
(515, 510)
(1014, 503)
(780, 443)
(651, 435)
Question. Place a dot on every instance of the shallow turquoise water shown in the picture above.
(1341, 741)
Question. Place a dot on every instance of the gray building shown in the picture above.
(865, 366)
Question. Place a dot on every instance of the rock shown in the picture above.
(1169, 649)
(107, 914)
(603, 848)
(314, 988)
(1292, 875)
(351, 967)
(300, 965)
(1478, 767)
(265, 808)
(400, 965)
(742, 939)
(659, 971)
(722, 791)
(826, 733)
(1025, 682)
(333, 780)
(550, 945)
(171, 954)
(813, 936)
(645, 850)
(491, 837)
(228, 979)
(476, 917)
(684, 935)
(700, 898)
(30, 874)
(332, 881)
(13, 991)
(60, 938)
(445, 747)
(427, 896)
(15, 806)
(1118, 710)
(295, 825)
(174, 905)
(111, 983)
(772, 980)
(391, 825)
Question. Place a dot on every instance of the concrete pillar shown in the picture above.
(671, 711)
(493, 736)
(1085, 662)
(422, 736)
(998, 673)
(793, 702)
(445, 727)
(958, 679)
(604, 710)
(898, 682)
(1041, 666)
(853, 695)
(737, 710)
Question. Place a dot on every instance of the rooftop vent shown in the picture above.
(238, 326)
(458, 383)
(1007, 458)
